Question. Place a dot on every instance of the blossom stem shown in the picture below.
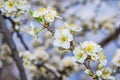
(48, 28)
(87, 65)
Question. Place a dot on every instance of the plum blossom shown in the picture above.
(62, 38)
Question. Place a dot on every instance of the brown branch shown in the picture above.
(110, 38)
(73, 4)
(8, 38)
(87, 65)
(116, 72)
(49, 29)
(17, 32)
(55, 72)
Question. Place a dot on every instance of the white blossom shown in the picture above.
(72, 27)
(46, 14)
(62, 38)
(41, 54)
(79, 55)
(10, 6)
(90, 47)
(14, 7)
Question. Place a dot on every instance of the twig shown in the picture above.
(73, 4)
(57, 75)
(117, 71)
(110, 38)
(49, 29)
(87, 65)
(11, 44)
(18, 34)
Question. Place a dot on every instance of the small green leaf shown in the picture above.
(31, 12)
(36, 31)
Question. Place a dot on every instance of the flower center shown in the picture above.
(118, 61)
(89, 48)
(106, 72)
(0, 4)
(50, 16)
(11, 4)
(64, 39)
(79, 56)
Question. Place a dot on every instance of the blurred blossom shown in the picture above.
(37, 42)
(72, 27)
(14, 8)
(5, 52)
(41, 54)
(1, 64)
(116, 58)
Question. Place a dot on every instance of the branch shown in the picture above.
(116, 72)
(87, 65)
(11, 44)
(73, 4)
(49, 69)
(17, 32)
(111, 37)
(49, 29)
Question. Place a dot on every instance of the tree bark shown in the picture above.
(15, 55)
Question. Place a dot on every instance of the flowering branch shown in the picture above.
(84, 53)
(86, 64)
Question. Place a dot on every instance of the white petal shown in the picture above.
(99, 73)
(70, 37)
(56, 43)
(66, 45)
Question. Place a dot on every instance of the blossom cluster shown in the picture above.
(86, 51)
(45, 15)
(90, 51)
(105, 74)
(64, 35)
(14, 7)
(39, 55)
(31, 60)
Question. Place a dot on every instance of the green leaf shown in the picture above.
(31, 12)
(36, 31)
(40, 19)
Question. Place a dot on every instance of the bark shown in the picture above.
(8, 38)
